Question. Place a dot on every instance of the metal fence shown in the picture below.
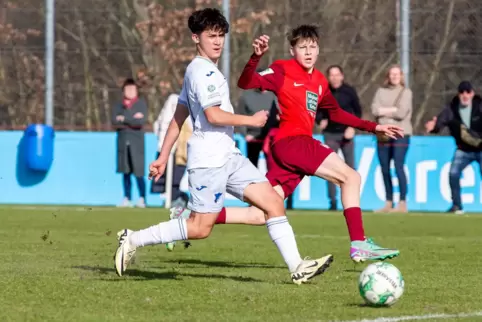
(99, 43)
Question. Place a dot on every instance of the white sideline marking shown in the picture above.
(421, 317)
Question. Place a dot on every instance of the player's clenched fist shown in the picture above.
(156, 169)
(261, 45)
(259, 118)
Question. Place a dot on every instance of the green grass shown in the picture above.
(57, 266)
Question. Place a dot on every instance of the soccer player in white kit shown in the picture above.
(215, 166)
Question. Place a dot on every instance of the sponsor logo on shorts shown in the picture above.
(201, 188)
(311, 101)
(210, 73)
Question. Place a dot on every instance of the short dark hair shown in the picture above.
(207, 19)
(303, 32)
(129, 82)
(328, 70)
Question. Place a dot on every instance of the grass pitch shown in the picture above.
(57, 266)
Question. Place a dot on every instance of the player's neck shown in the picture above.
(200, 53)
(308, 70)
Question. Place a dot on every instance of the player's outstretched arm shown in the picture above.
(270, 79)
(216, 116)
(338, 115)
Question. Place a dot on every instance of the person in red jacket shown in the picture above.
(302, 90)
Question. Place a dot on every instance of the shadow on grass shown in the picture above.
(222, 264)
(353, 270)
(150, 275)
(366, 305)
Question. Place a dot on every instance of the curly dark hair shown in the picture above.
(207, 19)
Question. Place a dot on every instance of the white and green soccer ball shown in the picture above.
(381, 284)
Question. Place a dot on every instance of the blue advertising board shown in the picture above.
(83, 173)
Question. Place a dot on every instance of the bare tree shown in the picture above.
(100, 43)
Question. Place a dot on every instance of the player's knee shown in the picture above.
(198, 228)
(199, 232)
(274, 206)
(258, 219)
(352, 178)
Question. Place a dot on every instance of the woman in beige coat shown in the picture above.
(392, 104)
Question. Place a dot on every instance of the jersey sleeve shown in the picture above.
(338, 115)
(270, 79)
(206, 90)
(182, 99)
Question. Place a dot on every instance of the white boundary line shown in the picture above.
(421, 317)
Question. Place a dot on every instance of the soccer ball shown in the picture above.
(381, 284)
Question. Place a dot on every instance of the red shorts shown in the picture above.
(295, 157)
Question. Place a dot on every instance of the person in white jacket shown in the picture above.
(160, 129)
(164, 118)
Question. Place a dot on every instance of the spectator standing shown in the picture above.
(463, 118)
(180, 149)
(339, 136)
(129, 117)
(180, 198)
(253, 101)
(392, 104)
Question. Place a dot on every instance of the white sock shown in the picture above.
(163, 233)
(282, 235)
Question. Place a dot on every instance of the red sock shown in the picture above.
(354, 222)
(221, 217)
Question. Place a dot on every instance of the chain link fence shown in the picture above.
(100, 43)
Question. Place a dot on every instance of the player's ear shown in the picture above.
(195, 38)
(292, 52)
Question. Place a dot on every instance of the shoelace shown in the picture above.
(371, 242)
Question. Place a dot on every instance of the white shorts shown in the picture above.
(208, 186)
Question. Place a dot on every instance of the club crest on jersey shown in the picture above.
(311, 101)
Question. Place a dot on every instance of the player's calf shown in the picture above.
(199, 226)
(337, 171)
(264, 197)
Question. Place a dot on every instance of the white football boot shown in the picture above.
(125, 252)
(309, 268)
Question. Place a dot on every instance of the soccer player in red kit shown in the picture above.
(302, 89)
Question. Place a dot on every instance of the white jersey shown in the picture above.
(204, 86)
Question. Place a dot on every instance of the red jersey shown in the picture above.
(299, 94)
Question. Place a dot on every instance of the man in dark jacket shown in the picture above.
(339, 136)
(129, 117)
(463, 118)
(253, 101)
